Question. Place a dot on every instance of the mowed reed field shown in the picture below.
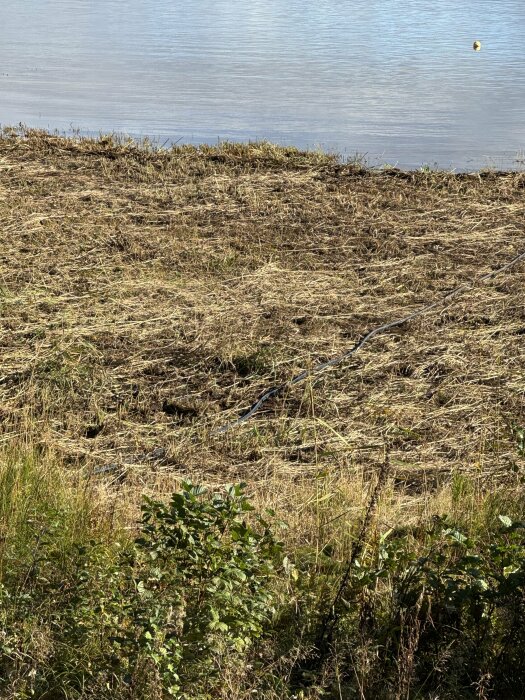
(148, 297)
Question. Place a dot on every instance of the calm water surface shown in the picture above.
(394, 79)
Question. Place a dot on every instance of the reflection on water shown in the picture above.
(397, 80)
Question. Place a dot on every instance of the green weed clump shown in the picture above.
(189, 594)
(156, 615)
(438, 613)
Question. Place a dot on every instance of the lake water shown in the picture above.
(396, 80)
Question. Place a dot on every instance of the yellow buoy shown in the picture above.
(476, 45)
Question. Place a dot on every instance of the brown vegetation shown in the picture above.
(149, 296)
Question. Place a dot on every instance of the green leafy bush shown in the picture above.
(160, 616)
(472, 609)
(194, 588)
(434, 611)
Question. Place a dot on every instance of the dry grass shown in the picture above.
(147, 297)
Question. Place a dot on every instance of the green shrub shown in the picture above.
(158, 616)
(192, 590)
(429, 612)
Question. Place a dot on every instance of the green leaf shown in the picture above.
(456, 535)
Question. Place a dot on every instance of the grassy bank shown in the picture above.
(146, 298)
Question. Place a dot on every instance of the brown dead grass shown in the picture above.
(148, 296)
